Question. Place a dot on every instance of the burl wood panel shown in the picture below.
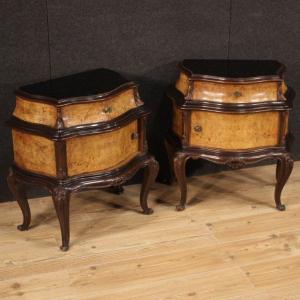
(235, 93)
(34, 153)
(182, 84)
(100, 111)
(101, 151)
(177, 120)
(35, 112)
(234, 131)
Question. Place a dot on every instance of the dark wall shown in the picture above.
(143, 40)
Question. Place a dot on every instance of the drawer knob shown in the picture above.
(198, 128)
(237, 94)
(107, 110)
(134, 136)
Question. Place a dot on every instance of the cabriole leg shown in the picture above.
(150, 174)
(283, 171)
(19, 193)
(179, 169)
(61, 199)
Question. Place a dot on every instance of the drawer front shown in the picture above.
(235, 93)
(234, 131)
(102, 151)
(100, 111)
(34, 153)
(35, 112)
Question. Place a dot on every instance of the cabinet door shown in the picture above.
(231, 131)
(103, 151)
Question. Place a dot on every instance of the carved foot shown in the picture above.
(180, 207)
(283, 171)
(19, 193)
(22, 227)
(64, 248)
(61, 199)
(149, 178)
(148, 211)
(280, 207)
(179, 169)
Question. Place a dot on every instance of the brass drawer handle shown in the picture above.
(237, 94)
(198, 128)
(134, 136)
(107, 110)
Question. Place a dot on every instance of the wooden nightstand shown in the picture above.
(77, 132)
(230, 112)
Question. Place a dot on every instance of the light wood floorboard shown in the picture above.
(230, 243)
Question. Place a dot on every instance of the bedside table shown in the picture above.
(78, 132)
(230, 112)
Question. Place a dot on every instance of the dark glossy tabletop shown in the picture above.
(233, 68)
(94, 82)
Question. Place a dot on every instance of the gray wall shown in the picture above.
(143, 39)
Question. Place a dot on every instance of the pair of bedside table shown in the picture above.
(88, 130)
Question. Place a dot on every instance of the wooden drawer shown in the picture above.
(35, 112)
(38, 112)
(233, 131)
(99, 111)
(102, 151)
(234, 92)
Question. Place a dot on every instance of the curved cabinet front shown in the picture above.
(102, 151)
(234, 131)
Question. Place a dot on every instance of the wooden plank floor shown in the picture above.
(230, 243)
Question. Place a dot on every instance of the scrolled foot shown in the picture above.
(22, 227)
(280, 207)
(180, 207)
(64, 248)
(148, 211)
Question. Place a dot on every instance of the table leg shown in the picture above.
(61, 199)
(179, 169)
(283, 171)
(150, 174)
(18, 190)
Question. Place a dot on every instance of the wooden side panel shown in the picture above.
(234, 131)
(235, 93)
(35, 112)
(34, 153)
(286, 122)
(177, 121)
(93, 112)
(101, 151)
(182, 83)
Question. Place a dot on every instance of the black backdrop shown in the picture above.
(142, 39)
